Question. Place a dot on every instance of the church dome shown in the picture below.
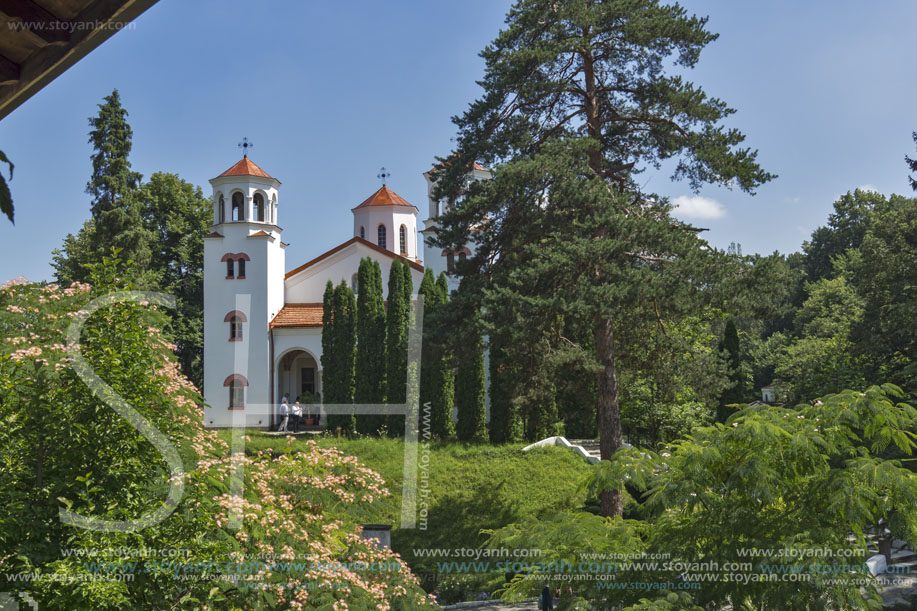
(245, 167)
(384, 197)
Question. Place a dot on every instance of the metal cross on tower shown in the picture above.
(245, 145)
(382, 175)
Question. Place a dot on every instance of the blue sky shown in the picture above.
(330, 92)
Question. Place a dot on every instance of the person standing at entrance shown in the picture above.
(284, 415)
(297, 416)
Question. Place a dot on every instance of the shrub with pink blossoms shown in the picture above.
(288, 541)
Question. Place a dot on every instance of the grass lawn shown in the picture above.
(472, 487)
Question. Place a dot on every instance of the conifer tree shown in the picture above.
(505, 425)
(116, 214)
(469, 386)
(578, 97)
(444, 372)
(408, 286)
(370, 354)
(338, 364)
(330, 377)
(428, 352)
(735, 391)
(396, 345)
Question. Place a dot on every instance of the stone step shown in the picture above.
(903, 555)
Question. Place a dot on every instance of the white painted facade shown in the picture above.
(438, 259)
(280, 348)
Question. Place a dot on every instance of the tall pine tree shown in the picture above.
(370, 358)
(578, 98)
(158, 225)
(116, 214)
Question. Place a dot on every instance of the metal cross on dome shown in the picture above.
(245, 145)
(382, 175)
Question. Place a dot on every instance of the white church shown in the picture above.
(263, 324)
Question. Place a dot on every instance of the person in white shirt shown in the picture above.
(284, 415)
(297, 416)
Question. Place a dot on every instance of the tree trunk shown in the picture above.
(610, 438)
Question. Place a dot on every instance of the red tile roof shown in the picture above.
(245, 167)
(299, 315)
(260, 233)
(384, 197)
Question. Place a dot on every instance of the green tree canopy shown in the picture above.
(576, 101)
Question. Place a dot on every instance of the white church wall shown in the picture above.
(308, 286)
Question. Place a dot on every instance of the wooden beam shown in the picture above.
(45, 65)
(9, 71)
(36, 20)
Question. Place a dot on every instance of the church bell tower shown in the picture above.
(243, 290)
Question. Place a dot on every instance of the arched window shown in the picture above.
(403, 239)
(236, 384)
(238, 207)
(221, 213)
(259, 207)
(354, 283)
(450, 262)
(462, 256)
(235, 320)
(381, 239)
(231, 258)
(362, 232)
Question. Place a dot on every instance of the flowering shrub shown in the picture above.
(287, 540)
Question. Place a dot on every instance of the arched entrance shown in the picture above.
(298, 374)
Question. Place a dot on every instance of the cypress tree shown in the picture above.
(370, 354)
(410, 368)
(328, 354)
(505, 426)
(428, 372)
(469, 389)
(396, 345)
(735, 392)
(337, 352)
(408, 286)
(345, 346)
(444, 374)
